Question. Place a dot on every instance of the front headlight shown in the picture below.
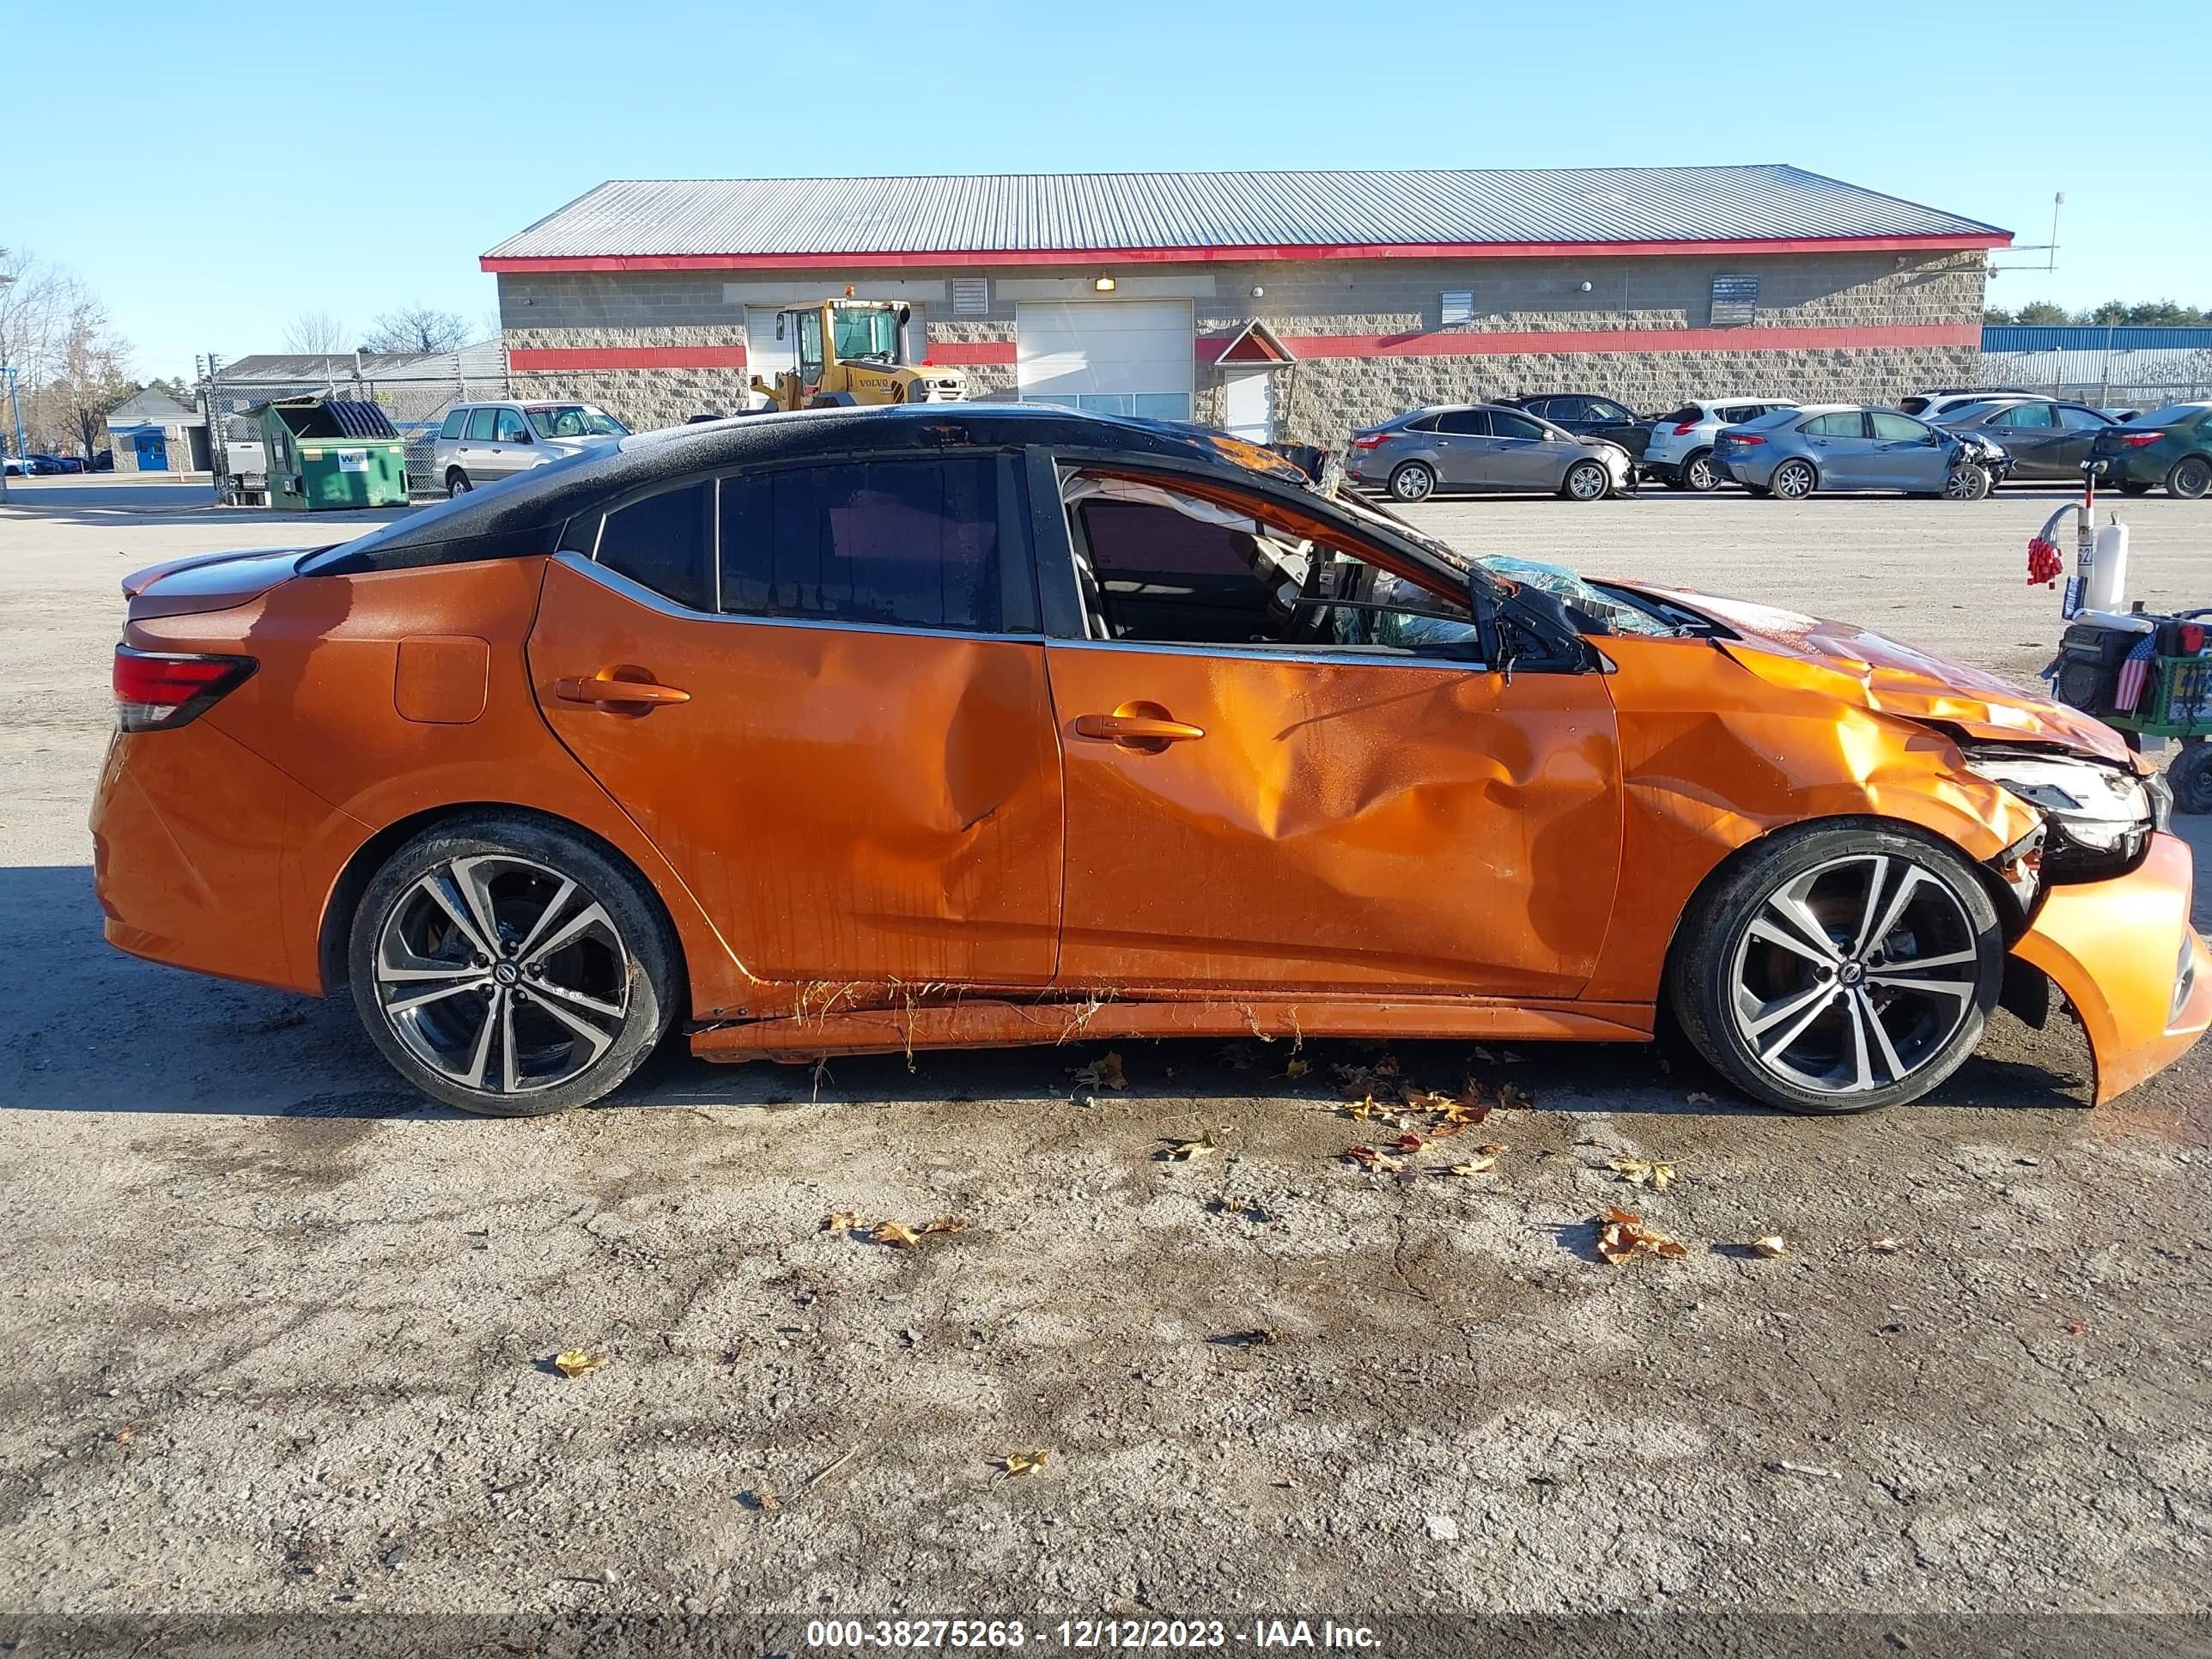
(2100, 815)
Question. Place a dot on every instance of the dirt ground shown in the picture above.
(278, 1333)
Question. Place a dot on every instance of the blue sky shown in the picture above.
(214, 171)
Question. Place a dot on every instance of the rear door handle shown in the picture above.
(1148, 731)
(624, 687)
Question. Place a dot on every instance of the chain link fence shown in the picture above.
(414, 395)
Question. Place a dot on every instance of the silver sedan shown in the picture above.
(1483, 447)
(1795, 452)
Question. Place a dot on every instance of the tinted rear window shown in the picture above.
(912, 543)
(454, 421)
(2173, 415)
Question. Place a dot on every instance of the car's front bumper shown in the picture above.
(2123, 953)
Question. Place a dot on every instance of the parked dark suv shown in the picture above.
(1588, 416)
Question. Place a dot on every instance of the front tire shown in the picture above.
(1838, 968)
(2190, 777)
(1586, 481)
(506, 966)
(1416, 481)
(2190, 478)
(1794, 481)
(457, 483)
(1968, 483)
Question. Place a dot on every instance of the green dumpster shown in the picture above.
(332, 452)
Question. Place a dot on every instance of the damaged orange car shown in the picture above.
(874, 731)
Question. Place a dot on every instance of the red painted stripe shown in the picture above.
(954, 353)
(525, 360)
(971, 351)
(1628, 339)
(895, 261)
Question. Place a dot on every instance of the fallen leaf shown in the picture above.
(1104, 1073)
(1771, 1246)
(1409, 1142)
(766, 1501)
(895, 1233)
(1512, 1095)
(944, 1223)
(1700, 1098)
(1023, 1462)
(1297, 1068)
(1386, 1065)
(1482, 1165)
(1883, 1245)
(579, 1361)
(1622, 1237)
(1492, 1149)
(1368, 1158)
(1642, 1172)
(2074, 1328)
(843, 1221)
(1485, 1056)
(1359, 1110)
(1182, 1151)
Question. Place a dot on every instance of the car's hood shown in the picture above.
(1879, 673)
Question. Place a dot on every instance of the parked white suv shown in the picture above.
(482, 443)
(1681, 452)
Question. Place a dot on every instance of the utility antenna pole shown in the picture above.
(2050, 247)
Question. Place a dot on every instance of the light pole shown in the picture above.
(6, 282)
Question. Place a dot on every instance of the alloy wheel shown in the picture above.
(501, 973)
(1700, 474)
(1412, 483)
(1968, 483)
(1793, 482)
(1586, 481)
(1851, 977)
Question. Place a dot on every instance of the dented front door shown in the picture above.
(848, 804)
(1282, 823)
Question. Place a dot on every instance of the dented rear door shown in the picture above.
(1278, 822)
(861, 802)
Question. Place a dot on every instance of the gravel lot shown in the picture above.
(278, 1335)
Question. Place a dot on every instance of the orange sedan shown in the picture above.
(849, 732)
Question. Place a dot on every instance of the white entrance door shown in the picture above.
(1109, 357)
(766, 355)
(1248, 404)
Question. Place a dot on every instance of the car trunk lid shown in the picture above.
(210, 582)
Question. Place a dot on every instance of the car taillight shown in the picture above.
(1746, 438)
(2142, 440)
(159, 688)
(1686, 429)
(1371, 440)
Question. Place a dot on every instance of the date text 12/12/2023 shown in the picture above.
(1089, 1635)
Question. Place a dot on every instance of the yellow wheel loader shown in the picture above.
(852, 351)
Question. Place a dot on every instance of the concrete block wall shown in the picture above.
(1394, 307)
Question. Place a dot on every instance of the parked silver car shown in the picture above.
(1795, 452)
(1680, 453)
(1483, 447)
(482, 443)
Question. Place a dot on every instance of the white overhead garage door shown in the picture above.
(1109, 356)
(766, 355)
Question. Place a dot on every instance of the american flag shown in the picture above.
(2133, 673)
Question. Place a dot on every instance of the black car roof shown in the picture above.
(513, 514)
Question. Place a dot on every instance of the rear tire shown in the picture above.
(1416, 481)
(1794, 481)
(457, 483)
(1699, 474)
(2190, 478)
(1794, 971)
(2190, 777)
(508, 967)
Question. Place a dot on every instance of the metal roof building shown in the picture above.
(1383, 287)
(2136, 366)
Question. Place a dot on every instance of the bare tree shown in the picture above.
(31, 309)
(418, 328)
(316, 334)
(90, 378)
